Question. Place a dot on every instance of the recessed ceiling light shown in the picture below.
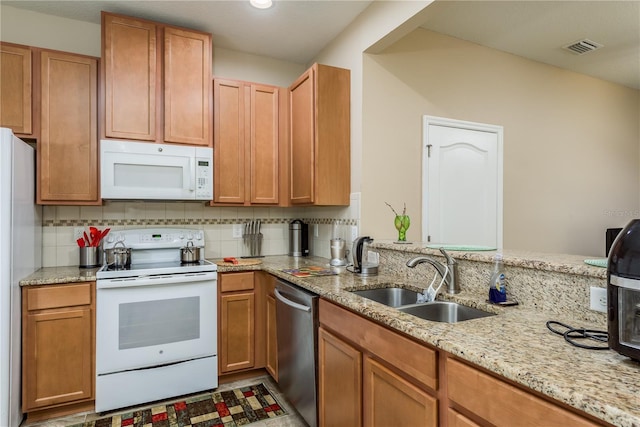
(261, 4)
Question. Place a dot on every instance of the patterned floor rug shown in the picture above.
(237, 407)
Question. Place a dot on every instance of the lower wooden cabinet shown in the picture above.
(58, 354)
(339, 381)
(236, 338)
(247, 322)
(390, 399)
(494, 402)
(370, 375)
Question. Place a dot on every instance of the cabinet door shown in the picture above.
(320, 131)
(339, 382)
(389, 399)
(15, 88)
(237, 338)
(264, 137)
(332, 160)
(187, 87)
(58, 358)
(229, 142)
(302, 134)
(130, 70)
(68, 144)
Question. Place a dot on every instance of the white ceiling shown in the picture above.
(297, 30)
(539, 29)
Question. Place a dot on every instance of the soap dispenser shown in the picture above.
(497, 282)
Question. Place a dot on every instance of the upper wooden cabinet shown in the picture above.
(130, 76)
(16, 89)
(67, 152)
(246, 143)
(156, 81)
(320, 137)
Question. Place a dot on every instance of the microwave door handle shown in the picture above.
(192, 174)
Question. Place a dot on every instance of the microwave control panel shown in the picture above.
(204, 174)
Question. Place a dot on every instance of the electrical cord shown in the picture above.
(572, 334)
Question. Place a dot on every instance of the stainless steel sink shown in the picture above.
(442, 311)
(393, 297)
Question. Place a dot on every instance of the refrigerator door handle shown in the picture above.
(290, 303)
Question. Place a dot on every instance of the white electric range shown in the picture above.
(156, 320)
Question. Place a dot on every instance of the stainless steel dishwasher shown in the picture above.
(297, 325)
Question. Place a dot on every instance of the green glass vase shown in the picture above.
(402, 223)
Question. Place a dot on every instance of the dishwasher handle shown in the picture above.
(290, 303)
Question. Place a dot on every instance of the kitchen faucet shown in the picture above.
(449, 273)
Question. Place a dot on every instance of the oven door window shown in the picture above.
(143, 326)
(163, 321)
(629, 322)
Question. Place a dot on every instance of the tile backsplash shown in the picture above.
(60, 223)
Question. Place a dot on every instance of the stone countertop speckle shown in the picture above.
(514, 344)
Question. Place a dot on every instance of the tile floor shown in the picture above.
(292, 419)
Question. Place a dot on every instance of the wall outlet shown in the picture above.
(237, 231)
(598, 299)
(315, 230)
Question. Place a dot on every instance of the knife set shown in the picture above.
(252, 239)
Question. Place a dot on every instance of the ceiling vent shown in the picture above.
(583, 46)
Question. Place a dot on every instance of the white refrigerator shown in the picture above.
(20, 255)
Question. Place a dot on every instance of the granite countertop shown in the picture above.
(60, 275)
(559, 263)
(514, 344)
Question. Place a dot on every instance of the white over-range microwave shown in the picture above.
(148, 171)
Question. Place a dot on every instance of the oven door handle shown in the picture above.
(131, 282)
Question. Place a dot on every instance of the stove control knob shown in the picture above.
(190, 236)
(181, 236)
(199, 235)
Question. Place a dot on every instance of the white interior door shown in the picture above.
(462, 183)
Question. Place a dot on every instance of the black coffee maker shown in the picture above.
(623, 292)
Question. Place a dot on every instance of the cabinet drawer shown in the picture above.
(485, 396)
(230, 282)
(58, 296)
(418, 361)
